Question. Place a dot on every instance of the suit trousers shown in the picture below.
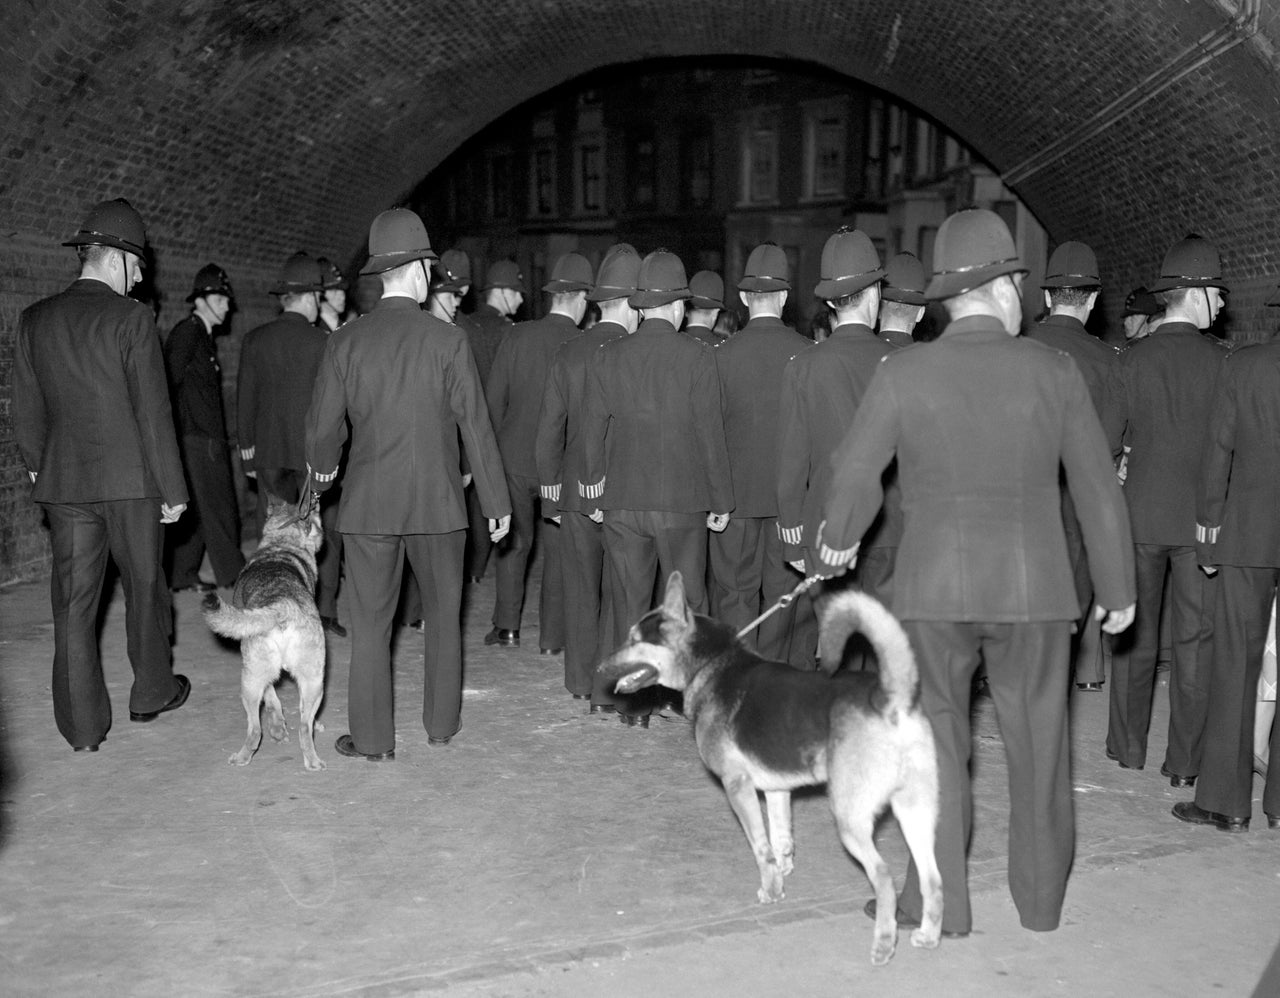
(83, 534)
(1026, 667)
(1242, 612)
(750, 574)
(478, 543)
(513, 563)
(211, 519)
(374, 566)
(582, 567)
(1133, 674)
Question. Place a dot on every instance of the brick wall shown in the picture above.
(246, 130)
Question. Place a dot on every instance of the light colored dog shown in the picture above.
(273, 615)
(765, 727)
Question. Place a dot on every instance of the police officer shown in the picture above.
(408, 384)
(981, 490)
(902, 300)
(1162, 397)
(748, 569)
(195, 388)
(560, 460)
(655, 456)
(92, 422)
(706, 299)
(333, 295)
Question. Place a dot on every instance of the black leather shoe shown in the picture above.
(504, 637)
(603, 708)
(84, 748)
(1189, 810)
(433, 740)
(1273, 820)
(331, 625)
(199, 586)
(179, 698)
(1089, 687)
(345, 746)
(1115, 758)
(582, 696)
(1175, 780)
(634, 720)
(905, 921)
(550, 651)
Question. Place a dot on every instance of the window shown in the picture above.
(873, 180)
(642, 164)
(760, 158)
(695, 170)
(824, 150)
(588, 154)
(897, 127)
(542, 179)
(500, 185)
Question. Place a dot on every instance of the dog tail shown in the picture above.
(854, 612)
(234, 622)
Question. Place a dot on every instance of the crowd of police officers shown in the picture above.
(1031, 503)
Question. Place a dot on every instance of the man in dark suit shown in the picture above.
(1159, 412)
(706, 299)
(560, 460)
(821, 390)
(333, 313)
(1071, 286)
(655, 456)
(514, 395)
(748, 570)
(980, 421)
(195, 387)
(92, 422)
(1238, 540)
(408, 385)
(902, 300)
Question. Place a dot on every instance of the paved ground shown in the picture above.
(543, 852)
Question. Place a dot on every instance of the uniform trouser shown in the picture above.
(1242, 612)
(1025, 663)
(211, 519)
(747, 564)
(286, 484)
(588, 630)
(82, 535)
(513, 562)
(478, 543)
(374, 566)
(1133, 674)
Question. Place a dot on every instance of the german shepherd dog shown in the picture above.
(763, 726)
(273, 615)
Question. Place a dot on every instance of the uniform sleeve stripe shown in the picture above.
(550, 492)
(1206, 534)
(246, 453)
(591, 491)
(320, 476)
(791, 535)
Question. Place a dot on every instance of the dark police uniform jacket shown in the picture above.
(485, 328)
(704, 333)
(979, 421)
(1238, 497)
(278, 364)
(515, 386)
(821, 389)
(750, 365)
(195, 380)
(91, 410)
(1094, 358)
(408, 384)
(559, 449)
(652, 431)
(1162, 394)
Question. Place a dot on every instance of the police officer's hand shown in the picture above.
(33, 475)
(1209, 570)
(554, 519)
(1115, 621)
(499, 528)
(466, 479)
(596, 516)
(798, 565)
(170, 514)
(250, 473)
(717, 521)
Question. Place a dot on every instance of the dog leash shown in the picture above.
(783, 601)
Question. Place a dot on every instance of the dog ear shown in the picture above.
(674, 604)
(637, 679)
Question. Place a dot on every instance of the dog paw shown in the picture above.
(314, 765)
(925, 940)
(882, 951)
(786, 864)
(279, 733)
(240, 758)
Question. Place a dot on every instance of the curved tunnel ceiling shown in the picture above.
(245, 130)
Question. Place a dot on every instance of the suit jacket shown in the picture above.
(485, 328)
(560, 455)
(980, 421)
(750, 366)
(704, 334)
(1094, 358)
(278, 363)
(408, 384)
(1238, 496)
(1162, 392)
(652, 431)
(821, 390)
(91, 411)
(896, 338)
(515, 385)
(195, 380)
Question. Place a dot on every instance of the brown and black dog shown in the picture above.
(765, 727)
